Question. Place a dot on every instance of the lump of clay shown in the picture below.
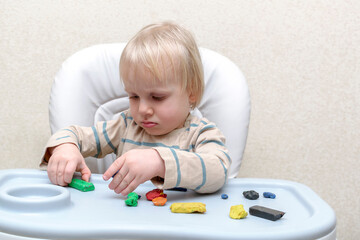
(267, 213)
(237, 212)
(159, 201)
(188, 207)
(269, 195)
(252, 195)
(132, 199)
(155, 193)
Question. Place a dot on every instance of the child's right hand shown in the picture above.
(64, 161)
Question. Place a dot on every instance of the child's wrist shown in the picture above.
(51, 150)
(161, 165)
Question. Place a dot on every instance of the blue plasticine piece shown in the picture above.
(224, 196)
(115, 174)
(180, 189)
(269, 195)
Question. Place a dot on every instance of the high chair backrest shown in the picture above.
(87, 89)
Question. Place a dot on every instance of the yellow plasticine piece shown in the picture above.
(238, 212)
(189, 207)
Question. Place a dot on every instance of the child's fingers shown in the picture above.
(60, 172)
(119, 177)
(85, 173)
(51, 172)
(114, 167)
(131, 187)
(128, 179)
(69, 171)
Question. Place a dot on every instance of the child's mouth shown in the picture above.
(146, 124)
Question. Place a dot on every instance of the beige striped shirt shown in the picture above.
(195, 155)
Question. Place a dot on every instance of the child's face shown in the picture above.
(157, 107)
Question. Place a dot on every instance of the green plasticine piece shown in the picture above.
(81, 185)
(132, 199)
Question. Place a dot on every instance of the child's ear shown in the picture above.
(192, 98)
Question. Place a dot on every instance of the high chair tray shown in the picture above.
(30, 206)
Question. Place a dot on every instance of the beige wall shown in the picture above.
(301, 60)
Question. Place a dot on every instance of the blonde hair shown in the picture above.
(157, 45)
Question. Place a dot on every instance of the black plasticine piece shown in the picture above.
(267, 213)
(252, 195)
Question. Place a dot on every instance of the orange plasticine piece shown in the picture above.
(159, 201)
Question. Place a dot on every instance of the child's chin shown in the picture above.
(155, 132)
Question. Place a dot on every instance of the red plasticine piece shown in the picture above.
(155, 193)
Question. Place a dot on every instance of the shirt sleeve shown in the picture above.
(96, 141)
(202, 168)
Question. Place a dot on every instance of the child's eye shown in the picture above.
(158, 98)
(134, 97)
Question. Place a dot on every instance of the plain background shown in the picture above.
(301, 60)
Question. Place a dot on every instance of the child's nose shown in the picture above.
(145, 108)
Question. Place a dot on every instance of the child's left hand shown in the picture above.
(134, 167)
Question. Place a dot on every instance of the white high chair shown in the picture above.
(87, 89)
